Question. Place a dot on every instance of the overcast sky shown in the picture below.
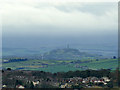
(58, 19)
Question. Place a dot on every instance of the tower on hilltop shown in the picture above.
(68, 46)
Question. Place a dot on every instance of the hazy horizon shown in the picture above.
(87, 25)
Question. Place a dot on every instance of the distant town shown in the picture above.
(60, 68)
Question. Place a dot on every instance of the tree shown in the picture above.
(110, 84)
(114, 57)
(18, 82)
(31, 85)
(9, 69)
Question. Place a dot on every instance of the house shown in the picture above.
(64, 86)
(35, 83)
(4, 86)
(104, 83)
(83, 81)
(106, 79)
(20, 87)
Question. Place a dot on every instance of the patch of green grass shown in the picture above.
(62, 65)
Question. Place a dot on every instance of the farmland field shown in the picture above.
(63, 65)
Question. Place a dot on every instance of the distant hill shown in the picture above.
(65, 54)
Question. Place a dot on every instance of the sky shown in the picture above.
(33, 21)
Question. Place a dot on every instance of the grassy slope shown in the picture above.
(59, 65)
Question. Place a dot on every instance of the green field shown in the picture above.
(62, 65)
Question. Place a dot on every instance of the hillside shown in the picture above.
(65, 54)
(59, 60)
